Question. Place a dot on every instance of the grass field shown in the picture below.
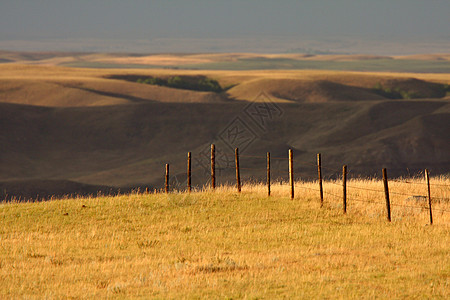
(221, 244)
(73, 130)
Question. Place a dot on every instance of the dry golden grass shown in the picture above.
(18, 71)
(62, 87)
(185, 59)
(158, 60)
(226, 245)
(58, 86)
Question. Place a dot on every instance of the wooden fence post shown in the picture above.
(344, 188)
(189, 176)
(386, 194)
(427, 177)
(213, 166)
(167, 179)
(291, 172)
(319, 170)
(268, 173)
(238, 174)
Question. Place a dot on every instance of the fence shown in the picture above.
(320, 189)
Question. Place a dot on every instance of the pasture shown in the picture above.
(221, 244)
(102, 129)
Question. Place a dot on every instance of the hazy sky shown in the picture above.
(37, 20)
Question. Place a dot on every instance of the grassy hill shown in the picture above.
(227, 245)
(426, 63)
(128, 145)
(81, 136)
(87, 129)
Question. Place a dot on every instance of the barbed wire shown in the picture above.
(327, 179)
(330, 194)
(421, 183)
(331, 179)
(252, 156)
(365, 189)
(307, 188)
(279, 158)
(377, 202)
(301, 162)
(348, 171)
(382, 191)
(399, 205)
(349, 199)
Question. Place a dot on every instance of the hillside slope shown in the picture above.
(425, 63)
(67, 130)
(128, 145)
(65, 87)
(93, 92)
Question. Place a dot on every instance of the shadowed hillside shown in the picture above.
(66, 131)
(323, 89)
(36, 190)
(304, 91)
(128, 145)
(98, 92)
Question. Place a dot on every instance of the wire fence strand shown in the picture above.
(332, 179)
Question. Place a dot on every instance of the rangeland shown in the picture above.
(82, 131)
(71, 130)
(221, 244)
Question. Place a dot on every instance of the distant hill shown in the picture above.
(65, 131)
(426, 63)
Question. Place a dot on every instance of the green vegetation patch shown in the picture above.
(447, 89)
(194, 83)
(393, 93)
(410, 89)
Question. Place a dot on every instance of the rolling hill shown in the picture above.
(425, 63)
(66, 130)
